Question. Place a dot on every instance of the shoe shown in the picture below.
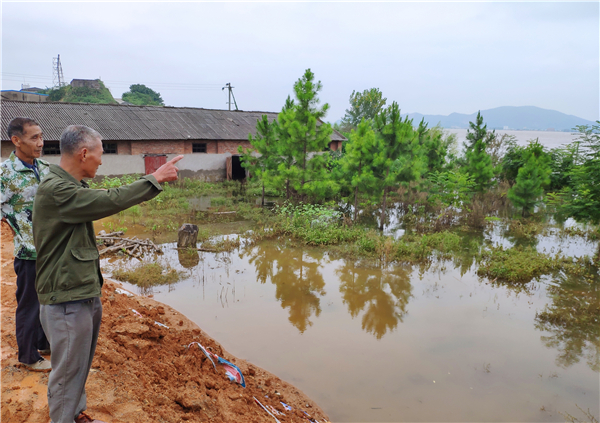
(44, 352)
(42, 365)
(84, 418)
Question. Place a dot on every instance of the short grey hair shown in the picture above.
(75, 137)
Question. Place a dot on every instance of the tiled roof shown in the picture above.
(121, 122)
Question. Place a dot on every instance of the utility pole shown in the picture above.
(58, 79)
(230, 89)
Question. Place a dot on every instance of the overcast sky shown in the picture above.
(432, 58)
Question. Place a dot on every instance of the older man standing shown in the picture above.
(19, 180)
(68, 280)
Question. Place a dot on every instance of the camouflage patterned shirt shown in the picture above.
(18, 185)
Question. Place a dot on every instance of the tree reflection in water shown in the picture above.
(573, 319)
(383, 290)
(297, 278)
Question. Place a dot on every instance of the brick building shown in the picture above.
(139, 138)
(23, 95)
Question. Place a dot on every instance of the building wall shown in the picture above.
(24, 96)
(231, 147)
(158, 147)
(208, 167)
(90, 83)
(211, 146)
(7, 148)
(124, 147)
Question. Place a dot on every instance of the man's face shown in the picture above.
(91, 158)
(29, 145)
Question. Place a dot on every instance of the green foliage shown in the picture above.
(263, 158)
(478, 132)
(451, 188)
(531, 179)
(516, 264)
(434, 147)
(118, 181)
(399, 159)
(365, 105)
(146, 275)
(562, 164)
(141, 95)
(301, 139)
(69, 94)
(357, 163)
(581, 198)
(479, 166)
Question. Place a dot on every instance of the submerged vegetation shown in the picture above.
(147, 275)
(398, 192)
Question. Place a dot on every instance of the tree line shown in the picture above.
(386, 154)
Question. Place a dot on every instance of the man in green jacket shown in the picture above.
(68, 279)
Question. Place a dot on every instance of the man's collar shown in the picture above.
(20, 167)
(66, 175)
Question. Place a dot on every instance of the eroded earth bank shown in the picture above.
(145, 372)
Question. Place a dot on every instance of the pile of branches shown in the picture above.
(114, 242)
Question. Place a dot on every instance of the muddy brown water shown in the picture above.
(373, 343)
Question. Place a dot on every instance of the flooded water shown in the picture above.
(549, 139)
(390, 343)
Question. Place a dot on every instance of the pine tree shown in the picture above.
(399, 157)
(262, 158)
(434, 148)
(531, 179)
(357, 162)
(478, 131)
(301, 135)
(479, 166)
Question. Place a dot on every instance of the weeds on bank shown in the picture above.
(528, 229)
(588, 417)
(522, 264)
(146, 275)
(222, 245)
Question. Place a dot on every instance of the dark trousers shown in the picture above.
(30, 335)
(73, 330)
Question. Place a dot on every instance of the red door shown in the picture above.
(153, 162)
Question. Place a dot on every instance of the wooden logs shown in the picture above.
(187, 236)
(135, 247)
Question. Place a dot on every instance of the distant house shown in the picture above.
(123, 102)
(89, 83)
(23, 96)
(137, 139)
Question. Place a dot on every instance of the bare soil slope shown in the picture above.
(144, 372)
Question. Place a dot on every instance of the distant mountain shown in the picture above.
(508, 117)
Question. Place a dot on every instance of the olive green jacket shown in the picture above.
(68, 264)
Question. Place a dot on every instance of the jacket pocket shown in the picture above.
(85, 253)
(80, 269)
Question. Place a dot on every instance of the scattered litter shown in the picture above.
(264, 408)
(124, 292)
(160, 324)
(206, 353)
(309, 418)
(232, 371)
(274, 410)
(138, 314)
(287, 407)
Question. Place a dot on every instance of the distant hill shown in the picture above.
(524, 117)
(98, 93)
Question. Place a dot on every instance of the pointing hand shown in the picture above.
(168, 171)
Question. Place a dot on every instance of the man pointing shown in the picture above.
(68, 279)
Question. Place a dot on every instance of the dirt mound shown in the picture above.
(144, 371)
